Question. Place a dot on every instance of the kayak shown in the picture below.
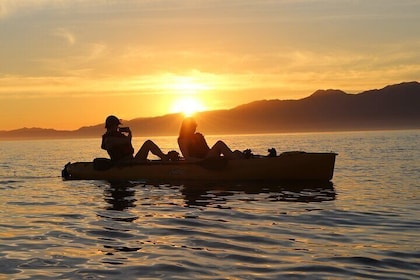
(287, 166)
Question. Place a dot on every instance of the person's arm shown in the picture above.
(202, 140)
(128, 131)
(109, 141)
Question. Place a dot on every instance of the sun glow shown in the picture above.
(188, 85)
(187, 105)
(188, 93)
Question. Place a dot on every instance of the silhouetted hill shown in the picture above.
(392, 107)
(35, 133)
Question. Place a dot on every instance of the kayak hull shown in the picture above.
(288, 166)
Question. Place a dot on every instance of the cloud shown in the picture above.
(106, 71)
(9, 8)
(66, 35)
(4, 9)
(121, 40)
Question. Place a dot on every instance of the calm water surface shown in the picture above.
(364, 225)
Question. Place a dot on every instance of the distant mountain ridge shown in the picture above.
(392, 107)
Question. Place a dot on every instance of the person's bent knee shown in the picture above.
(148, 142)
(220, 143)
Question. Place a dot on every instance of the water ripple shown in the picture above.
(362, 226)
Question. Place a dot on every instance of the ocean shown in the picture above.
(363, 225)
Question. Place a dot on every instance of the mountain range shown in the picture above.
(392, 107)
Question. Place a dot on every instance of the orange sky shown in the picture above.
(66, 64)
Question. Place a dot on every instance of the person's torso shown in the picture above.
(118, 151)
(197, 146)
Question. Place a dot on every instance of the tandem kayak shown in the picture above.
(288, 166)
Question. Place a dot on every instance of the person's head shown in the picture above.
(112, 122)
(188, 126)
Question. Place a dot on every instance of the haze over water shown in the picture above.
(363, 225)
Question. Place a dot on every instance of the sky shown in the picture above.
(70, 63)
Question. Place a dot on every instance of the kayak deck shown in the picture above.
(286, 166)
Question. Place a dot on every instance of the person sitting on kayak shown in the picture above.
(117, 142)
(194, 146)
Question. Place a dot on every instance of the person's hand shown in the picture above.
(124, 129)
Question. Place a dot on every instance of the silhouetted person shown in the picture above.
(194, 146)
(117, 142)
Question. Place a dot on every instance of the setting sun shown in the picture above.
(187, 105)
(188, 93)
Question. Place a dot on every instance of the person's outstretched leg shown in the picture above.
(220, 148)
(150, 146)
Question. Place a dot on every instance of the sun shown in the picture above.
(188, 105)
(187, 93)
